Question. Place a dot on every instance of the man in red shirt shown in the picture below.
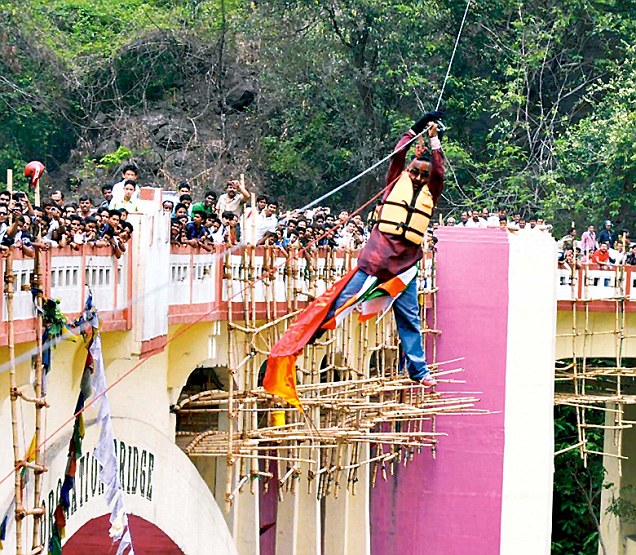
(393, 249)
(388, 260)
(601, 256)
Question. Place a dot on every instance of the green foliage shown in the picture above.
(54, 320)
(115, 159)
(522, 79)
(539, 99)
(98, 28)
(623, 505)
(32, 121)
(577, 488)
(596, 158)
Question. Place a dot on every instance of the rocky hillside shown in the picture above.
(300, 96)
(201, 132)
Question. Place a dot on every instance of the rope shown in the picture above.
(361, 174)
(380, 162)
(450, 63)
(180, 332)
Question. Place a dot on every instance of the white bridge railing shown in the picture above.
(203, 282)
(69, 276)
(590, 282)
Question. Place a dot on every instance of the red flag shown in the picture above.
(60, 520)
(280, 376)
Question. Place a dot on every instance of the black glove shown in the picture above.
(427, 118)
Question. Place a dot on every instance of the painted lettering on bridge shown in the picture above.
(136, 468)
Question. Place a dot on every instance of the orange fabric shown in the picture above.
(393, 287)
(280, 376)
(280, 379)
(364, 317)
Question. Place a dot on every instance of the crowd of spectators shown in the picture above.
(607, 249)
(234, 218)
(58, 223)
(231, 219)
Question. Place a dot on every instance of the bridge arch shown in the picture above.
(147, 538)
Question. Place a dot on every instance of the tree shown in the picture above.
(577, 487)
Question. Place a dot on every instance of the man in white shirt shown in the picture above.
(617, 254)
(490, 220)
(475, 220)
(128, 173)
(266, 220)
(346, 238)
(55, 216)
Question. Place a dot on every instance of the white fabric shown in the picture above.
(118, 191)
(105, 451)
(265, 224)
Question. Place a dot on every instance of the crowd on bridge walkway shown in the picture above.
(239, 217)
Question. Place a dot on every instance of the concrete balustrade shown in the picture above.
(590, 282)
(68, 276)
(167, 284)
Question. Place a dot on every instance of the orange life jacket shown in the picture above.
(407, 212)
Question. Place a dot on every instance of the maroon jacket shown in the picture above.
(386, 256)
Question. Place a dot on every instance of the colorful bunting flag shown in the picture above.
(93, 383)
(280, 376)
(374, 297)
(74, 453)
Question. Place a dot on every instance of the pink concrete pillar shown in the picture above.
(454, 504)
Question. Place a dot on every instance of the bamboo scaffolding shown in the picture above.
(9, 280)
(230, 459)
(587, 387)
(348, 383)
(40, 404)
(33, 460)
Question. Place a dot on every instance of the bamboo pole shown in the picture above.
(340, 413)
(40, 402)
(9, 280)
(230, 457)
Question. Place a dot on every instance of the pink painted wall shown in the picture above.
(268, 510)
(452, 505)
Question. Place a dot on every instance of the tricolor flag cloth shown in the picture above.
(374, 297)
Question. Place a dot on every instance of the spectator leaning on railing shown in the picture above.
(601, 256)
(630, 258)
(207, 205)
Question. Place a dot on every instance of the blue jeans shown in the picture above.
(407, 318)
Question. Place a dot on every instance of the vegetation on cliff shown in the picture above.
(303, 94)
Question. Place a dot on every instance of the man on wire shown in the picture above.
(386, 270)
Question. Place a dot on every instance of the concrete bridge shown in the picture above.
(501, 304)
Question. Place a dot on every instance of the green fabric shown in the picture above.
(55, 545)
(200, 206)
